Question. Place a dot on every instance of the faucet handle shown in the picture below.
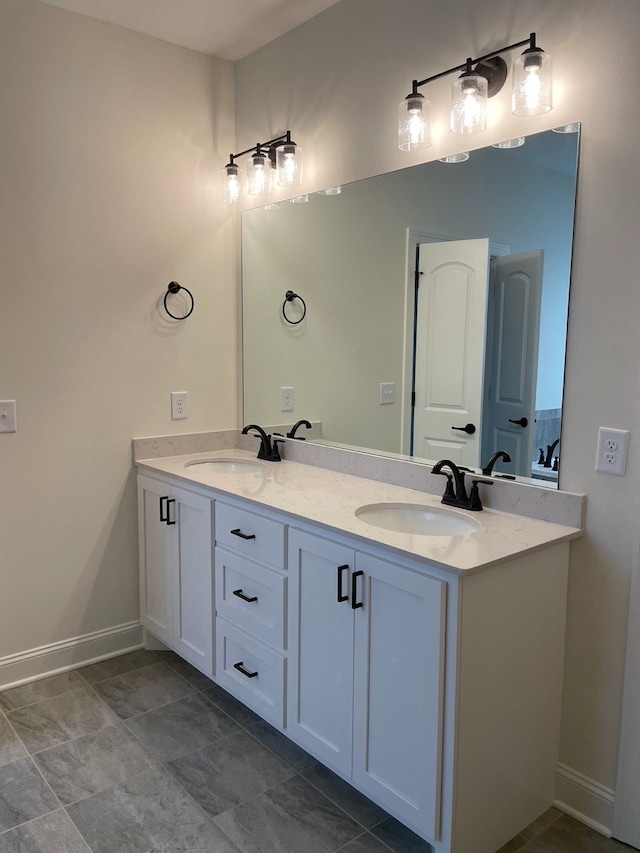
(474, 498)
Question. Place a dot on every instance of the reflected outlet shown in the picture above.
(8, 416)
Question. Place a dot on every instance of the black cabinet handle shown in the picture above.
(341, 595)
(523, 422)
(164, 515)
(244, 597)
(238, 532)
(468, 428)
(354, 590)
(240, 667)
(169, 503)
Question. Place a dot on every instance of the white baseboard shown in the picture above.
(77, 651)
(585, 799)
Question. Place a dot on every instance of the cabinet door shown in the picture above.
(320, 678)
(156, 576)
(398, 702)
(192, 579)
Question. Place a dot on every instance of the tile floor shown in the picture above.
(143, 754)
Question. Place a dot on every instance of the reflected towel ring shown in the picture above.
(174, 287)
(289, 297)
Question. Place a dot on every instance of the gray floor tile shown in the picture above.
(400, 839)
(365, 844)
(289, 818)
(143, 690)
(229, 772)
(543, 822)
(36, 691)
(514, 846)
(195, 678)
(355, 804)
(236, 710)
(148, 814)
(117, 666)
(11, 748)
(53, 833)
(24, 794)
(60, 719)
(181, 727)
(566, 835)
(93, 763)
(284, 748)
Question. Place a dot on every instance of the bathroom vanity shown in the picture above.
(426, 670)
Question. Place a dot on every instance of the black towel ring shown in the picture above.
(174, 287)
(289, 297)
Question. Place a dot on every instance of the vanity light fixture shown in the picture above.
(330, 191)
(299, 199)
(574, 127)
(280, 154)
(480, 79)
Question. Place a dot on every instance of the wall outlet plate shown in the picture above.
(8, 416)
(286, 399)
(178, 405)
(611, 455)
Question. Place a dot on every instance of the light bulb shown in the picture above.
(259, 175)
(230, 183)
(469, 104)
(289, 165)
(532, 82)
(414, 123)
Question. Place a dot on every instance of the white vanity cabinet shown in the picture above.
(366, 673)
(176, 604)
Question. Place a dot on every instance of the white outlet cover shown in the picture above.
(8, 416)
(611, 454)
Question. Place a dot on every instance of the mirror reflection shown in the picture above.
(436, 303)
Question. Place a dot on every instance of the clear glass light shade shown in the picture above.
(299, 199)
(414, 123)
(574, 127)
(330, 191)
(460, 157)
(469, 104)
(289, 165)
(259, 175)
(510, 143)
(532, 84)
(230, 183)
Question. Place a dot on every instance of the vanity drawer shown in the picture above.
(251, 672)
(251, 597)
(249, 534)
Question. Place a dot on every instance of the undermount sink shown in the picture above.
(229, 466)
(416, 519)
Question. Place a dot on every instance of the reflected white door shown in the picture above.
(515, 292)
(449, 349)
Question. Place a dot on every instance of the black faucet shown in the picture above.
(267, 451)
(292, 432)
(458, 496)
(549, 457)
(499, 454)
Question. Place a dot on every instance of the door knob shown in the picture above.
(523, 422)
(468, 428)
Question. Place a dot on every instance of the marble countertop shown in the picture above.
(330, 499)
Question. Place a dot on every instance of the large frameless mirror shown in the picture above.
(436, 309)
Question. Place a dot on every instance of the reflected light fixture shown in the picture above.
(330, 191)
(574, 127)
(280, 155)
(460, 157)
(480, 79)
(510, 143)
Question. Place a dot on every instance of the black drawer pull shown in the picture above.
(341, 595)
(164, 516)
(169, 503)
(244, 597)
(240, 667)
(354, 590)
(238, 532)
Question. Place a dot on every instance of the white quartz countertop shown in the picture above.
(331, 499)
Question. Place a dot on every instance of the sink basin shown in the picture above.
(229, 466)
(416, 519)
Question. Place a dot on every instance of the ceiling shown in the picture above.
(229, 29)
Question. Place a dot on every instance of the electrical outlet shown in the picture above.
(8, 416)
(286, 399)
(611, 455)
(178, 405)
(387, 393)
